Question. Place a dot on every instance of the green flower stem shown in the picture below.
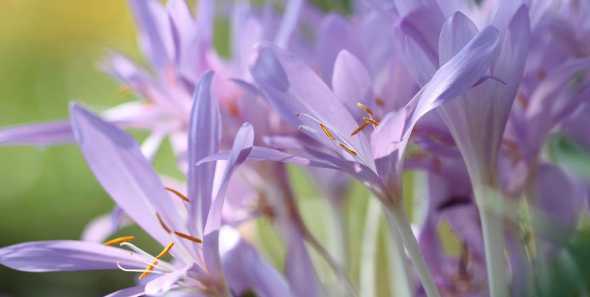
(397, 219)
(492, 224)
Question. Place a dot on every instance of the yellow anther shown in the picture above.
(150, 268)
(360, 128)
(178, 194)
(365, 108)
(348, 149)
(119, 240)
(165, 251)
(188, 237)
(327, 132)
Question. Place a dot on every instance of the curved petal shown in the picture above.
(46, 256)
(118, 164)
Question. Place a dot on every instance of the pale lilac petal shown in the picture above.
(387, 137)
(154, 30)
(129, 292)
(103, 227)
(455, 77)
(289, 22)
(128, 73)
(204, 138)
(351, 81)
(456, 32)
(243, 143)
(422, 67)
(246, 270)
(212, 254)
(37, 134)
(46, 256)
(334, 34)
(269, 154)
(420, 34)
(163, 284)
(118, 164)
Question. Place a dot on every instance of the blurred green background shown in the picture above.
(49, 51)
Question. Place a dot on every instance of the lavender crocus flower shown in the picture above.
(203, 253)
(304, 100)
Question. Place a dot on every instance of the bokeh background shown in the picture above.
(49, 51)
(49, 56)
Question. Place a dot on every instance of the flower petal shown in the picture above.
(204, 137)
(243, 143)
(129, 292)
(154, 29)
(46, 256)
(246, 270)
(37, 134)
(351, 81)
(118, 164)
(101, 228)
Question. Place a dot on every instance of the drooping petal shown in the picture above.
(118, 164)
(204, 137)
(46, 256)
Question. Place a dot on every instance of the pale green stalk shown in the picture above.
(369, 250)
(397, 219)
(492, 224)
(401, 283)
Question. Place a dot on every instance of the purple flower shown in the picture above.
(201, 252)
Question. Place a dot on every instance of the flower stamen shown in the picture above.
(327, 132)
(150, 268)
(164, 226)
(188, 237)
(348, 149)
(365, 108)
(178, 194)
(360, 128)
(119, 240)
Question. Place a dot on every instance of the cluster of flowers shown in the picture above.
(348, 96)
